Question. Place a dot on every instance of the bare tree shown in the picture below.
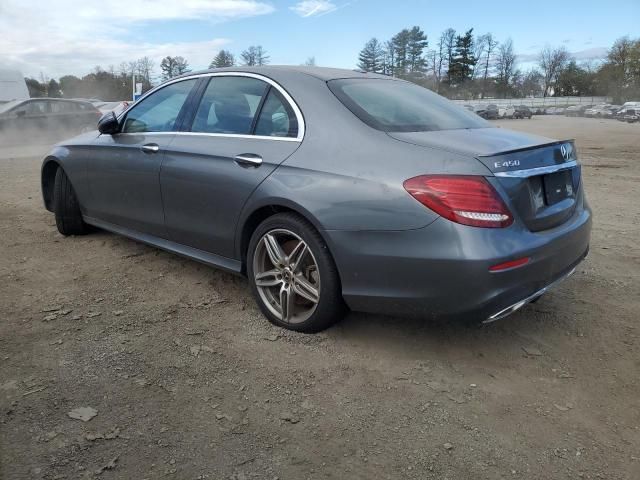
(489, 47)
(145, 68)
(552, 62)
(255, 55)
(505, 66)
(448, 43)
(389, 58)
(310, 62)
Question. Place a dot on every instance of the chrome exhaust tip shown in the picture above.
(505, 312)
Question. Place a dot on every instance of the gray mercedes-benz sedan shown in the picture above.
(331, 189)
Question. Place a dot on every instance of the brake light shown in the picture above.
(465, 199)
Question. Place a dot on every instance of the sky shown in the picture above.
(73, 36)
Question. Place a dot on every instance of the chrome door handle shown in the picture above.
(150, 148)
(248, 159)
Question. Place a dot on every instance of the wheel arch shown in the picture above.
(50, 167)
(258, 213)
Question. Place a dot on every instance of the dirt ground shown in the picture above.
(189, 381)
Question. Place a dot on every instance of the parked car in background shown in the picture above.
(611, 111)
(597, 111)
(480, 110)
(231, 167)
(619, 115)
(632, 115)
(572, 111)
(506, 112)
(45, 119)
(583, 108)
(491, 112)
(522, 111)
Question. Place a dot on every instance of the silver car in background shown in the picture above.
(331, 189)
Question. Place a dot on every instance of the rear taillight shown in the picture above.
(469, 200)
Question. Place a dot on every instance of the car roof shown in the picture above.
(72, 100)
(322, 73)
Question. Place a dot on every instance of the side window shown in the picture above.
(159, 111)
(35, 107)
(229, 105)
(61, 107)
(277, 118)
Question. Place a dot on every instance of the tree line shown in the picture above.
(466, 66)
(115, 83)
(459, 65)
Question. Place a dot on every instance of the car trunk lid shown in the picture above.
(539, 176)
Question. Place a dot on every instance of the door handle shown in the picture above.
(248, 160)
(150, 148)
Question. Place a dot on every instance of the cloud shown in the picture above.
(309, 8)
(73, 36)
(596, 53)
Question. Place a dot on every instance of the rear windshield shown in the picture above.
(394, 106)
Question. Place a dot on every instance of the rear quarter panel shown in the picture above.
(349, 176)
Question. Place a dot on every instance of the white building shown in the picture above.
(12, 86)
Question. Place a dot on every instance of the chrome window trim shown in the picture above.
(532, 172)
(277, 86)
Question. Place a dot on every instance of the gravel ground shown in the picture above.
(118, 360)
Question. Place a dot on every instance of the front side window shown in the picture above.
(35, 107)
(229, 105)
(395, 106)
(277, 119)
(159, 111)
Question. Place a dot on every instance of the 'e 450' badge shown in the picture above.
(507, 164)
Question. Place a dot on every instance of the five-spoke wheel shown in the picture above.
(293, 275)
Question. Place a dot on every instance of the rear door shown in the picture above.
(123, 169)
(242, 128)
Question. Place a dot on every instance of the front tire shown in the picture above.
(66, 207)
(293, 276)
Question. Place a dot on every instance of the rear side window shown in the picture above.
(229, 105)
(62, 107)
(396, 106)
(159, 111)
(277, 119)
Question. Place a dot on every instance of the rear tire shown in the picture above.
(66, 207)
(312, 295)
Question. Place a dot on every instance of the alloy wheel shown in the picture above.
(286, 276)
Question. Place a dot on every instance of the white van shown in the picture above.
(12, 86)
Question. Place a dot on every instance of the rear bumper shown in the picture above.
(442, 271)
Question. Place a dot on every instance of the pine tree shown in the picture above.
(371, 57)
(223, 59)
(462, 60)
(417, 42)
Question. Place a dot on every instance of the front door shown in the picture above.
(124, 168)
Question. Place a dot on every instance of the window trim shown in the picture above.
(272, 83)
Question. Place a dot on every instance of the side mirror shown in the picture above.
(21, 113)
(108, 124)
